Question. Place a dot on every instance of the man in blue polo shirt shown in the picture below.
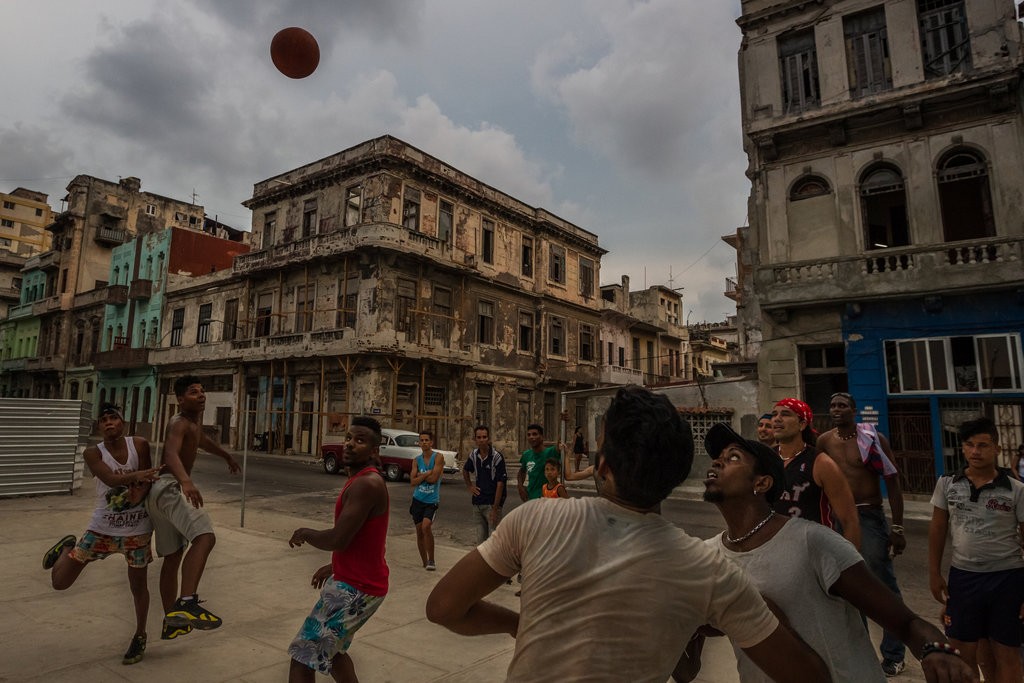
(488, 491)
(983, 506)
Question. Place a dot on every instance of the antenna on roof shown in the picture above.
(194, 196)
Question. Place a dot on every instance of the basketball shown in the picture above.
(295, 52)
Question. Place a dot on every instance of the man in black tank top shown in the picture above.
(815, 487)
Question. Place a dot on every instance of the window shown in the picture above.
(945, 42)
(445, 221)
(954, 364)
(150, 209)
(39, 212)
(636, 353)
(586, 278)
(999, 362)
(348, 300)
(305, 296)
(867, 52)
(309, 222)
(264, 313)
(405, 305)
(4, 242)
(411, 209)
(556, 336)
(525, 331)
(487, 241)
(807, 187)
(964, 197)
(798, 64)
(203, 328)
(482, 415)
(556, 264)
(622, 356)
(353, 205)
(442, 318)
(269, 227)
(586, 342)
(6, 223)
(485, 322)
(884, 205)
(177, 322)
(230, 319)
(823, 373)
(527, 253)
(8, 205)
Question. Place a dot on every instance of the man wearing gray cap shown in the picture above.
(813, 575)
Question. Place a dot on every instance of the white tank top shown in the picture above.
(112, 516)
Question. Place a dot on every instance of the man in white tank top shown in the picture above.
(119, 523)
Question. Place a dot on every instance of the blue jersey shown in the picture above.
(427, 492)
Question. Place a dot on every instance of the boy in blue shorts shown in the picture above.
(425, 477)
(119, 524)
(983, 506)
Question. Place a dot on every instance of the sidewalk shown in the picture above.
(258, 585)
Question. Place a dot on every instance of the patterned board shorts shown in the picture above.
(329, 628)
(93, 546)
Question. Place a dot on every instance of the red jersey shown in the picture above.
(362, 565)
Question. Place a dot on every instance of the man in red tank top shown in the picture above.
(354, 584)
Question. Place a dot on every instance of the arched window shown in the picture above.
(964, 196)
(807, 187)
(884, 208)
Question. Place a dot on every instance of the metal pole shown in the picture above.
(245, 456)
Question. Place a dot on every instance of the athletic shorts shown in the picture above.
(985, 605)
(420, 511)
(329, 628)
(93, 546)
(175, 522)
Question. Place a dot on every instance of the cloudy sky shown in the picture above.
(621, 116)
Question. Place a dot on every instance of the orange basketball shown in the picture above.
(295, 52)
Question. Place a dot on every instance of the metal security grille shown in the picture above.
(39, 443)
(701, 422)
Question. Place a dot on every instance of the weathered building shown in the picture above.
(886, 227)
(390, 283)
(50, 339)
(24, 215)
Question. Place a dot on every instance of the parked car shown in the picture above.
(398, 450)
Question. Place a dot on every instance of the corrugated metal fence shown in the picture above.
(41, 441)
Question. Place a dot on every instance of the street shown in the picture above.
(297, 486)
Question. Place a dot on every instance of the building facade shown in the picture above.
(387, 282)
(886, 232)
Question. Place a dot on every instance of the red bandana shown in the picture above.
(802, 410)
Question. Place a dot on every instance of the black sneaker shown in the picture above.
(189, 613)
(169, 632)
(136, 649)
(53, 554)
(892, 668)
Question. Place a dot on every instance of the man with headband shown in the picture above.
(865, 459)
(815, 486)
(119, 524)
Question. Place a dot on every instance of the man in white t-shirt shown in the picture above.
(813, 575)
(611, 590)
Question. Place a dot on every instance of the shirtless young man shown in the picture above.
(865, 459)
(175, 507)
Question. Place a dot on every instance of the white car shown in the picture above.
(398, 450)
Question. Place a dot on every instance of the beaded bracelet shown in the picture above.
(896, 529)
(935, 646)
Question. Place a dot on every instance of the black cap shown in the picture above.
(721, 435)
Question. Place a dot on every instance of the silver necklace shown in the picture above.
(757, 527)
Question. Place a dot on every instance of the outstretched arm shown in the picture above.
(457, 601)
(101, 471)
(211, 446)
(830, 478)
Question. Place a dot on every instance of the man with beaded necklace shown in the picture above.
(787, 558)
(864, 456)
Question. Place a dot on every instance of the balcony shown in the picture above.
(13, 365)
(346, 240)
(44, 306)
(22, 311)
(121, 358)
(10, 293)
(49, 260)
(44, 363)
(111, 236)
(140, 289)
(114, 295)
(887, 273)
(732, 291)
(615, 374)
